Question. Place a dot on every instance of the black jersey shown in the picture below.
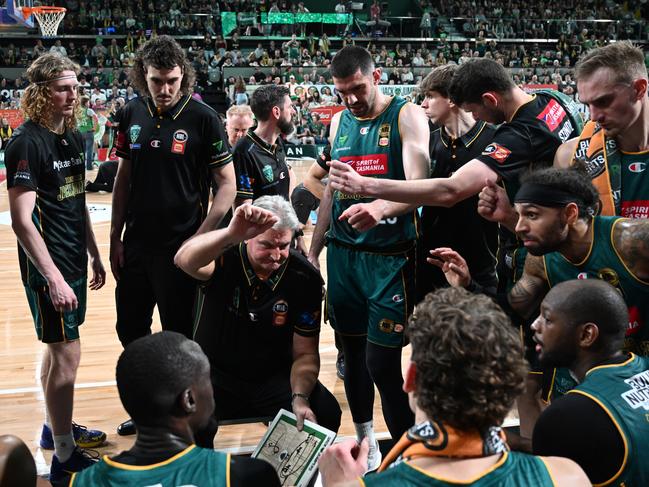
(260, 168)
(53, 166)
(460, 226)
(246, 325)
(530, 139)
(171, 154)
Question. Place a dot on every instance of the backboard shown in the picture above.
(14, 9)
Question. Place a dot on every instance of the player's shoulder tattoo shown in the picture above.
(631, 241)
(526, 295)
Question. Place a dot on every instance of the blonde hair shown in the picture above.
(36, 102)
(239, 111)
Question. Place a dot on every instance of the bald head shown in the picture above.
(591, 301)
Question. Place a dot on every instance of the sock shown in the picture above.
(64, 446)
(365, 430)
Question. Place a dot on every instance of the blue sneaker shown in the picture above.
(83, 437)
(79, 460)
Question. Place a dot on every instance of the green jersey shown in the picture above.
(634, 201)
(193, 466)
(512, 470)
(373, 147)
(86, 121)
(622, 390)
(604, 262)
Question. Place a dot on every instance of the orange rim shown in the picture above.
(28, 11)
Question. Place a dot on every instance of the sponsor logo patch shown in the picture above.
(155, 143)
(638, 396)
(280, 311)
(552, 115)
(342, 139)
(384, 135)
(386, 326)
(368, 165)
(635, 209)
(180, 136)
(497, 152)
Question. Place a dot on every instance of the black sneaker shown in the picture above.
(340, 366)
(79, 460)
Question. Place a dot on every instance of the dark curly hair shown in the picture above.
(161, 52)
(469, 359)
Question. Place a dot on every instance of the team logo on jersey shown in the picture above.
(386, 325)
(384, 135)
(180, 136)
(638, 396)
(368, 165)
(267, 171)
(637, 167)
(155, 143)
(364, 130)
(280, 311)
(218, 145)
(134, 133)
(582, 275)
(64, 142)
(552, 115)
(342, 139)
(497, 152)
(609, 275)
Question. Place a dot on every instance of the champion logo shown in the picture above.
(155, 143)
(582, 275)
(637, 167)
(364, 130)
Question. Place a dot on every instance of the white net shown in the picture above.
(49, 20)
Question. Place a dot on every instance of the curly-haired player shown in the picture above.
(466, 369)
(45, 181)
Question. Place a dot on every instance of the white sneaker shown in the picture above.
(374, 457)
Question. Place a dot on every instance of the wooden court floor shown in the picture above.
(97, 404)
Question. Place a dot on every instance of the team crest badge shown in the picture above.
(218, 145)
(342, 139)
(384, 135)
(134, 133)
(268, 173)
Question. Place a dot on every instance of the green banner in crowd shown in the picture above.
(228, 22)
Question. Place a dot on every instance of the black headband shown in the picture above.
(544, 195)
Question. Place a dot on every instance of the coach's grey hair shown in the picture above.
(282, 209)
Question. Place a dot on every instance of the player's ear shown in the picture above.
(640, 87)
(376, 75)
(588, 335)
(410, 379)
(490, 99)
(187, 401)
(571, 212)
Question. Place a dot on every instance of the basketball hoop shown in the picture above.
(48, 18)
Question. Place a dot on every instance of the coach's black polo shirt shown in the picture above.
(260, 168)
(171, 154)
(459, 227)
(529, 140)
(53, 166)
(246, 325)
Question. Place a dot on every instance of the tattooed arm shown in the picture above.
(530, 289)
(631, 242)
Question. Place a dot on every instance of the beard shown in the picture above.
(285, 126)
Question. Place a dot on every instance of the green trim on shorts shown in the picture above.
(54, 326)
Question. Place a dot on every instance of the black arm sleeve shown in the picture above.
(250, 472)
(576, 427)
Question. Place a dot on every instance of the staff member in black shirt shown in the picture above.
(167, 144)
(455, 139)
(259, 158)
(259, 316)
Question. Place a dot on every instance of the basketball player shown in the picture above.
(45, 181)
(164, 384)
(600, 424)
(371, 243)
(167, 144)
(459, 406)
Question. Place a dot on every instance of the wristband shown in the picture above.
(300, 394)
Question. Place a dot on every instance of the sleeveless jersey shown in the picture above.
(622, 390)
(373, 148)
(603, 262)
(634, 199)
(193, 466)
(85, 123)
(513, 469)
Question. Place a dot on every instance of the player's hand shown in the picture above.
(62, 296)
(315, 262)
(249, 221)
(453, 266)
(363, 216)
(302, 411)
(116, 257)
(343, 462)
(343, 177)
(98, 272)
(494, 205)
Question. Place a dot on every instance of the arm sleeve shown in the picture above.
(219, 149)
(576, 427)
(122, 148)
(307, 322)
(510, 152)
(323, 158)
(244, 172)
(23, 163)
(250, 472)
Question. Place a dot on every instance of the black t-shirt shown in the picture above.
(459, 227)
(246, 325)
(171, 155)
(576, 427)
(260, 168)
(53, 166)
(529, 140)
